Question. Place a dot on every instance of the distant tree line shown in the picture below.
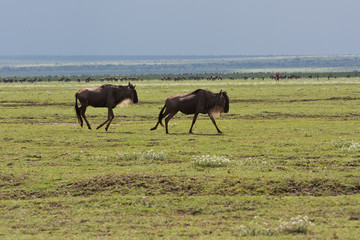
(180, 77)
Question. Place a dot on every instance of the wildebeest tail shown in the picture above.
(161, 115)
(77, 110)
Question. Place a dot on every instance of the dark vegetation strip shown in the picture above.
(185, 186)
(42, 104)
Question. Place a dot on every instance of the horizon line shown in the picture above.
(175, 55)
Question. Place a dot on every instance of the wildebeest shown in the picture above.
(104, 96)
(199, 101)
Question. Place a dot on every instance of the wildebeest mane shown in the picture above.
(207, 96)
(197, 91)
(210, 100)
(119, 95)
(116, 93)
(106, 85)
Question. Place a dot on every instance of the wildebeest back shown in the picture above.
(186, 103)
(96, 96)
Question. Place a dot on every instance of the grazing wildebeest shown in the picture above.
(199, 101)
(105, 96)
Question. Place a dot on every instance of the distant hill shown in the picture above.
(11, 66)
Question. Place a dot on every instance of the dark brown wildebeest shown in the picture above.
(105, 96)
(199, 101)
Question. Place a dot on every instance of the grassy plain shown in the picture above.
(292, 152)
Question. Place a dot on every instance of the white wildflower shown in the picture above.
(346, 146)
(211, 161)
(298, 224)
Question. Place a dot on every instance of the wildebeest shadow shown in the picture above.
(114, 132)
(197, 134)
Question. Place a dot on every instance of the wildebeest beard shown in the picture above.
(126, 102)
(216, 111)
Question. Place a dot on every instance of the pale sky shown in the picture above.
(179, 27)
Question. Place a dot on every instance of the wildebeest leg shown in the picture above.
(193, 122)
(80, 120)
(78, 114)
(110, 117)
(155, 126)
(168, 119)
(82, 111)
(213, 120)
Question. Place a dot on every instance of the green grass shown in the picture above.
(286, 167)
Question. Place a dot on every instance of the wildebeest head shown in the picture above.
(133, 93)
(220, 104)
(223, 100)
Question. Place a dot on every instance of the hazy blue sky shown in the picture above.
(179, 27)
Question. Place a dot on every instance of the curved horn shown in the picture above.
(130, 85)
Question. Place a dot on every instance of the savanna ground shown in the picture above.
(286, 167)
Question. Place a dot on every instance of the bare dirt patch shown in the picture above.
(31, 104)
(134, 184)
